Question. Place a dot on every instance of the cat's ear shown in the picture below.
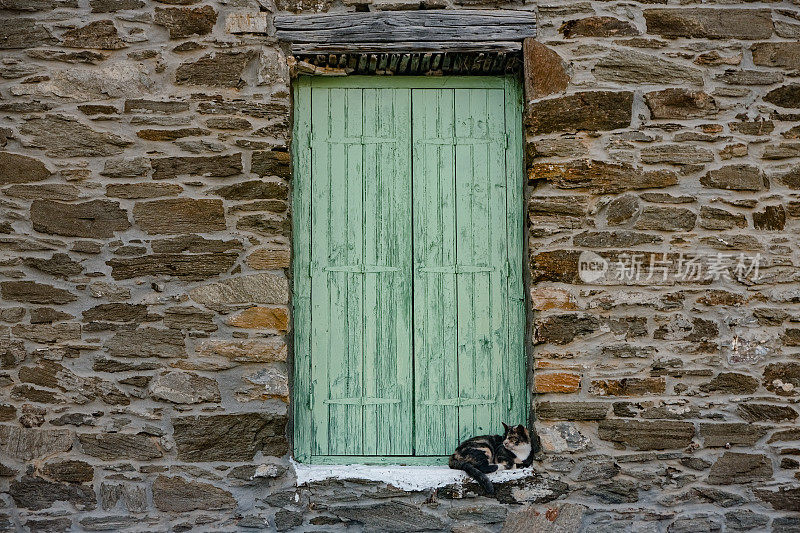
(505, 426)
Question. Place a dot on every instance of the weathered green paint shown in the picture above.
(409, 316)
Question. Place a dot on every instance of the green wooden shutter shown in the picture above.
(360, 272)
(466, 383)
(362, 387)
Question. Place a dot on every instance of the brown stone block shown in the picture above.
(18, 168)
(180, 215)
(556, 382)
(269, 259)
(785, 55)
(551, 410)
(647, 435)
(544, 71)
(262, 318)
(680, 104)
(600, 177)
(594, 111)
(215, 166)
(597, 27)
(100, 34)
(786, 96)
(190, 267)
(544, 298)
(184, 22)
(94, 219)
(747, 24)
(229, 437)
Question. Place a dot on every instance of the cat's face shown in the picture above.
(516, 438)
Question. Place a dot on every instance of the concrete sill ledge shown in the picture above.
(408, 478)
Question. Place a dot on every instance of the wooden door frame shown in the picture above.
(300, 341)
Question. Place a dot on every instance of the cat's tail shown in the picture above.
(475, 474)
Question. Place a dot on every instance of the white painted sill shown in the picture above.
(408, 478)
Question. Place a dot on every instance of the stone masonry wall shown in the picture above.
(145, 328)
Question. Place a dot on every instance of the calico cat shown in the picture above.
(479, 456)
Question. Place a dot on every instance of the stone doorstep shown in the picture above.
(407, 478)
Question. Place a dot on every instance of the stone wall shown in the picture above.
(145, 234)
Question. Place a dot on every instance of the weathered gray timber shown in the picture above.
(428, 30)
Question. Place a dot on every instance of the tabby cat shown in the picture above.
(479, 456)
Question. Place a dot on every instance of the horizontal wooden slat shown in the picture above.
(407, 46)
(426, 26)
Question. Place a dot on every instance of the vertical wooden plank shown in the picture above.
(320, 189)
(373, 318)
(516, 361)
(466, 203)
(497, 248)
(301, 302)
(388, 423)
(435, 357)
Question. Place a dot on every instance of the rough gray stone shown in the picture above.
(100, 34)
(390, 516)
(695, 524)
(27, 444)
(676, 154)
(641, 435)
(736, 468)
(564, 518)
(63, 136)
(735, 178)
(23, 33)
(120, 446)
(189, 318)
(286, 520)
(96, 218)
(231, 437)
(37, 293)
(785, 498)
(731, 433)
(257, 288)
(629, 66)
(179, 215)
(175, 494)
(220, 69)
(482, 514)
(147, 342)
(747, 24)
(35, 493)
(217, 166)
(745, 520)
(184, 388)
(666, 219)
(111, 6)
(69, 471)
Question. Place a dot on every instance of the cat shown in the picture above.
(479, 456)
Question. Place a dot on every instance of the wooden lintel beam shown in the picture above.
(396, 30)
